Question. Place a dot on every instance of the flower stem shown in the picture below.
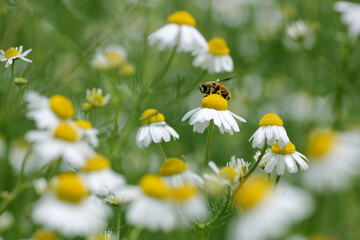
(208, 142)
(11, 82)
(119, 222)
(254, 166)
(162, 151)
(277, 179)
(165, 69)
(218, 216)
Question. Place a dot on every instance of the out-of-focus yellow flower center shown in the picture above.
(96, 99)
(320, 237)
(183, 193)
(243, 171)
(65, 132)
(155, 116)
(153, 186)
(288, 148)
(255, 189)
(172, 166)
(12, 52)
(215, 101)
(69, 188)
(320, 143)
(83, 124)
(44, 235)
(62, 106)
(114, 59)
(217, 46)
(98, 162)
(270, 119)
(101, 237)
(227, 173)
(127, 70)
(181, 17)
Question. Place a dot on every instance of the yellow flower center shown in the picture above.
(152, 116)
(172, 166)
(215, 101)
(44, 235)
(65, 132)
(98, 162)
(243, 171)
(153, 186)
(288, 148)
(255, 189)
(127, 70)
(320, 237)
(101, 237)
(114, 59)
(227, 173)
(62, 106)
(12, 52)
(181, 17)
(96, 99)
(83, 124)
(320, 143)
(217, 46)
(69, 188)
(270, 119)
(183, 193)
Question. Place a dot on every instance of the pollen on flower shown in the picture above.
(65, 132)
(181, 17)
(215, 101)
(62, 106)
(44, 235)
(217, 46)
(83, 124)
(69, 188)
(288, 148)
(172, 166)
(98, 162)
(12, 52)
(183, 193)
(227, 173)
(155, 116)
(153, 186)
(270, 119)
(321, 142)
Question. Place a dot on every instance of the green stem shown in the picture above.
(117, 111)
(162, 151)
(119, 221)
(135, 233)
(218, 216)
(277, 179)
(208, 142)
(11, 81)
(165, 69)
(254, 166)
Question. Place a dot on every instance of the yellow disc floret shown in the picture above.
(183, 193)
(12, 52)
(69, 188)
(288, 148)
(321, 142)
(62, 106)
(65, 132)
(152, 116)
(182, 17)
(153, 186)
(255, 189)
(227, 173)
(44, 235)
(114, 59)
(96, 99)
(127, 69)
(172, 166)
(270, 119)
(215, 101)
(83, 124)
(217, 46)
(98, 162)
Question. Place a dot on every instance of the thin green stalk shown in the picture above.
(277, 179)
(165, 69)
(162, 151)
(218, 216)
(254, 166)
(208, 142)
(11, 82)
(119, 221)
(117, 111)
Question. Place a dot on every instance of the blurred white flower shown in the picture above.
(113, 56)
(299, 31)
(12, 54)
(96, 97)
(6, 220)
(350, 16)
(180, 32)
(89, 133)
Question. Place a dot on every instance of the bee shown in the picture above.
(215, 87)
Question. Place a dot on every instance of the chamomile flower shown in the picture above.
(213, 108)
(180, 32)
(20, 81)
(109, 58)
(89, 133)
(12, 54)
(215, 58)
(62, 140)
(96, 97)
(46, 112)
(350, 15)
(266, 212)
(176, 173)
(284, 159)
(154, 129)
(334, 160)
(69, 209)
(299, 31)
(270, 130)
(99, 176)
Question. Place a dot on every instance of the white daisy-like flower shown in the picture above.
(62, 140)
(47, 112)
(89, 133)
(215, 58)
(12, 54)
(69, 210)
(155, 129)
(180, 32)
(270, 130)
(213, 108)
(111, 57)
(96, 98)
(20, 81)
(175, 173)
(284, 159)
(350, 16)
(266, 212)
(334, 160)
(107, 235)
(160, 207)
(99, 176)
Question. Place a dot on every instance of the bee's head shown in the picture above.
(204, 87)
